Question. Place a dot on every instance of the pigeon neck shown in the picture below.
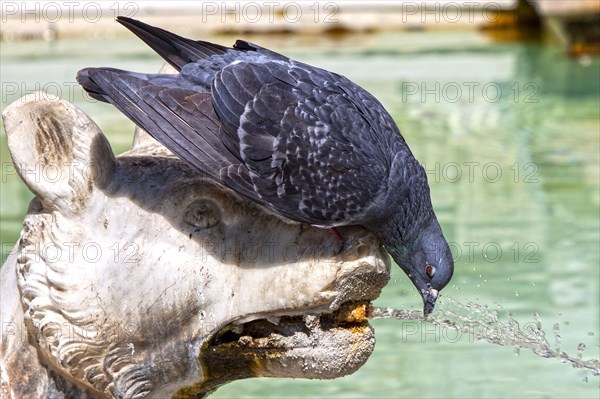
(402, 240)
(401, 232)
(408, 206)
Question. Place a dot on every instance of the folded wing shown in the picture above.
(297, 139)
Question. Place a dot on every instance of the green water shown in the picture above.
(509, 134)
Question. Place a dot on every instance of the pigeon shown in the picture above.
(306, 144)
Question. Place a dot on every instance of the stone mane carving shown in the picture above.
(136, 277)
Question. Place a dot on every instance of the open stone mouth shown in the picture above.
(321, 345)
(346, 322)
(284, 332)
(287, 332)
(324, 342)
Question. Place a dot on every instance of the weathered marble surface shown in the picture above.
(136, 277)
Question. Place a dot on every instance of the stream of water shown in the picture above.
(485, 324)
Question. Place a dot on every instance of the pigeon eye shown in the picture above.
(430, 270)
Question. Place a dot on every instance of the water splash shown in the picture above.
(484, 324)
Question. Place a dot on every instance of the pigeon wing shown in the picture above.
(303, 142)
(312, 155)
(182, 119)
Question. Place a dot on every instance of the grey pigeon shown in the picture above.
(303, 142)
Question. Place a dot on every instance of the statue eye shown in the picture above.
(202, 214)
(430, 270)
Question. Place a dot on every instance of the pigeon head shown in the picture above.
(428, 262)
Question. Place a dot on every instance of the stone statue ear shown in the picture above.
(59, 152)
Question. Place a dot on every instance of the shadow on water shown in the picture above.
(485, 324)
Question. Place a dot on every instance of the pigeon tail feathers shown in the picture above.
(176, 50)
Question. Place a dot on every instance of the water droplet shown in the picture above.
(516, 293)
(517, 351)
(532, 283)
(580, 349)
(590, 334)
(557, 338)
(538, 321)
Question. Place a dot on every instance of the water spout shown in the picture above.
(484, 324)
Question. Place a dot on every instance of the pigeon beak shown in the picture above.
(429, 298)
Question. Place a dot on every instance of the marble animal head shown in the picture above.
(135, 276)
